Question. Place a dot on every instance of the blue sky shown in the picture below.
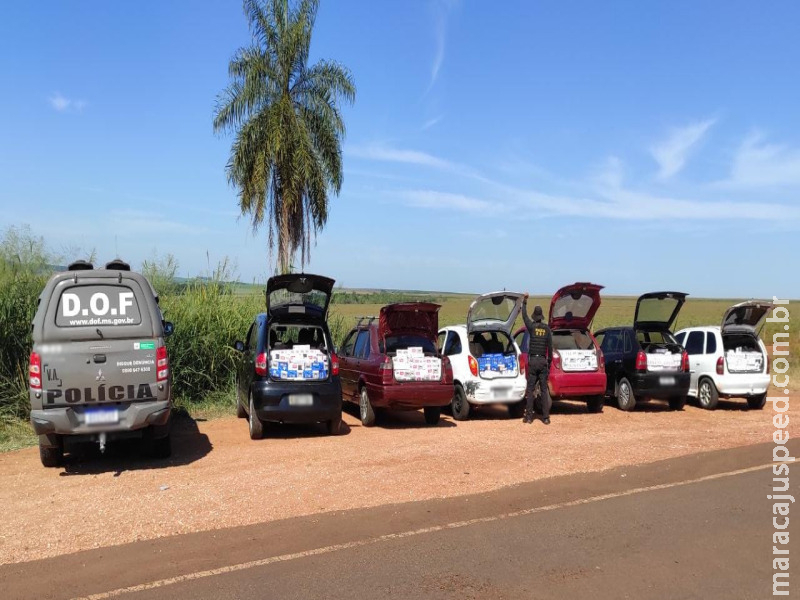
(511, 144)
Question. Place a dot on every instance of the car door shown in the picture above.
(346, 367)
(612, 346)
(359, 356)
(453, 349)
(246, 369)
(694, 345)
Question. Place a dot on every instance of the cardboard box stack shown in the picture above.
(411, 364)
(497, 363)
(300, 363)
(742, 360)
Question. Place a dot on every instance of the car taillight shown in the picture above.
(523, 366)
(473, 366)
(685, 362)
(35, 371)
(601, 360)
(387, 370)
(334, 364)
(447, 370)
(261, 364)
(162, 364)
(641, 361)
(556, 359)
(720, 366)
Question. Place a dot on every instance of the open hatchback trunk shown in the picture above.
(657, 311)
(299, 294)
(489, 322)
(408, 332)
(494, 312)
(740, 328)
(574, 306)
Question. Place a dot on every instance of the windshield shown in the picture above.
(653, 310)
(283, 297)
(401, 342)
(568, 307)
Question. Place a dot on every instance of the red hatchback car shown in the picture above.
(392, 361)
(578, 367)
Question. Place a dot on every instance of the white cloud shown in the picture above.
(431, 122)
(761, 164)
(671, 153)
(446, 201)
(62, 104)
(379, 152)
(442, 10)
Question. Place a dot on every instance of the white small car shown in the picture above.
(729, 361)
(485, 359)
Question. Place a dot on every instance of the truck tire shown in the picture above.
(51, 456)
(757, 402)
(594, 404)
(625, 398)
(334, 425)
(677, 402)
(255, 425)
(365, 410)
(432, 414)
(517, 409)
(459, 405)
(707, 395)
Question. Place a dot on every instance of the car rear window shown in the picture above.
(572, 340)
(93, 305)
(398, 342)
(490, 342)
(655, 337)
(286, 337)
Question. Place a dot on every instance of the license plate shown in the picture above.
(301, 400)
(666, 380)
(500, 393)
(102, 416)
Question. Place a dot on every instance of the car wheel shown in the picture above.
(255, 424)
(594, 404)
(51, 457)
(459, 404)
(517, 409)
(757, 402)
(432, 414)
(677, 402)
(365, 410)
(707, 394)
(334, 425)
(240, 411)
(625, 398)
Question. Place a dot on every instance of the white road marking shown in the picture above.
(405, 534)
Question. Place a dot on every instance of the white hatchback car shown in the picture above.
(485, 359)
(729, 361)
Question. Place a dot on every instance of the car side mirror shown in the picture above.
(169, 328)
(238, 346)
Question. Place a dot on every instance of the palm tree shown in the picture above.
(286, 156)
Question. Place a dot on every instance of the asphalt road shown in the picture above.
(695, 527)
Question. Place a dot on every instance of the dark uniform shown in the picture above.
(540, 353)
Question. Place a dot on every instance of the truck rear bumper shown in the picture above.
(71, 420)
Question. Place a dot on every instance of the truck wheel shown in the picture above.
(517, 409)
(255, 425)
(757, 402)
(677, 402)
(334, 425)
(432, 414)
(51, 457)
(240, 411)
(459, 404)
(625, 398)
(707, 394)
(594, 404)
(366, 412)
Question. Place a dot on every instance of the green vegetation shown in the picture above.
(288, 128)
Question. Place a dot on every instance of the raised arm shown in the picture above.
(528, 321)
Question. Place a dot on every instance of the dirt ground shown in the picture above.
(218, 477)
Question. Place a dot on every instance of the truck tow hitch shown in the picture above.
(102, 439)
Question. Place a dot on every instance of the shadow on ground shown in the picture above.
(398, 419)
(188, 446)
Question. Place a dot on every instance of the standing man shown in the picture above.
(540, 353)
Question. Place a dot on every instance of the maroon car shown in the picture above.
(392, 361)
(578, 368)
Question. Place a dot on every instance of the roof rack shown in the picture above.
(368, 319)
